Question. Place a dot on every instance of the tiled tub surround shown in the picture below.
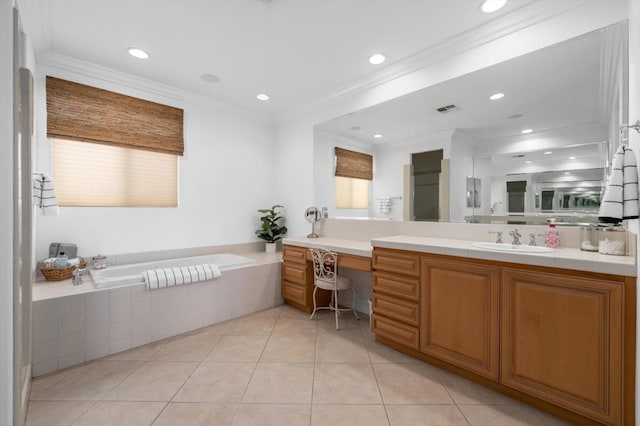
(74, 324)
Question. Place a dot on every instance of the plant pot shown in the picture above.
(270, 247)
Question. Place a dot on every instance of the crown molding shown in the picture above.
(52, 63)
(526, 16)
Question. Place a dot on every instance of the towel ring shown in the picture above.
(635, 126)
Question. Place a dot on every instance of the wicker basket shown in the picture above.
(59, 274)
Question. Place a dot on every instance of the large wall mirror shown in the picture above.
(540, 150)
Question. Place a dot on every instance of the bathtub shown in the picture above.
(122, 275)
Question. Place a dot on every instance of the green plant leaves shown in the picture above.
(272, 228)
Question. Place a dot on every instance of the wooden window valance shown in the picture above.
(354, 164)
(88, 114)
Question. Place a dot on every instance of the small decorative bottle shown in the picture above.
(552, 237)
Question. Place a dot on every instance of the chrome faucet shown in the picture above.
(77, 274)
(498, 236)
(516, 237)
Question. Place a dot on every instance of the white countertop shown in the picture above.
(356, 248)
(565, 258)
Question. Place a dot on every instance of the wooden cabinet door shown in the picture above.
(562, 341)
(460, 314)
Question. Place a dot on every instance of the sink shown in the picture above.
(512, 248)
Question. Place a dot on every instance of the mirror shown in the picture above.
(572, 97)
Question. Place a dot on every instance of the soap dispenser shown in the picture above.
(552, 237)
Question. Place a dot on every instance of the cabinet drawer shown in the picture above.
(294, 272)
(294, 254)
(397, 309)
(407, 264)
(294, 292)
(396, 331)
(396, 285)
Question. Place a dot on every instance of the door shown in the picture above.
(460, 314)
(562, 341)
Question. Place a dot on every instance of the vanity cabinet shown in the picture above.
(562, 341)
(297, 276)
(460, 314)
(559, 339)
(396, 297)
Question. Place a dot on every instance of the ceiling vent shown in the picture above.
(446, 108)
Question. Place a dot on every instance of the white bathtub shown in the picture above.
(116, 276)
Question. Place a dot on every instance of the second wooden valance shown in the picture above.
(354, 164)
(88, 114)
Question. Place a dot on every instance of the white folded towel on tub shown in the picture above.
(168, 277)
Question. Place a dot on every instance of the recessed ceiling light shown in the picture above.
(138, 53)
(567, 173)
(377, 136)
(548, 152)
(210, 78)
(528, 162)
(263, 97)
(377, 59)
(525, 131)
(572, 158)
(490, 6)
(496, 96)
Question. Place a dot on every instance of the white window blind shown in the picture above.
(352, 193)
(88, 174)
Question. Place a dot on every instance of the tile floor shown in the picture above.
(275, 367)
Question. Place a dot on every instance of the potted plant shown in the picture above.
(272, 228)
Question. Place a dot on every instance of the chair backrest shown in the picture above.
(324, 264)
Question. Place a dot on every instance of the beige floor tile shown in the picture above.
(428, 415)
(327, 323)
(267, 313)
(217, 382)
(63, 413)
(501, 415)
(252, 326)
(341, 346)
(154, 381)
(551, 419)
(141, 353)
(106, 413)
(238, 349)
(291, 312)
(464, 391)
(304, 327)
(289, 349)
(383, 353)
(42, 383)
(411, 383)
(345, 383)
(190, 348)
(348, 415)
(218, 329)
(272, 414)
(196, 414)
(89, 381)
(288, 383)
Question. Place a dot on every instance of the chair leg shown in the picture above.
(353, 305)
(335, 294)
(315, 308)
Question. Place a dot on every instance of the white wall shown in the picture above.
(391, 157)
(225, 175)
(634, 143)
(324, 172)
(6, 212)
(461, 166)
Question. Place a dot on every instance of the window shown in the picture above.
(88, 174)
(111, 149)
(354, 171)
(352, 193)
